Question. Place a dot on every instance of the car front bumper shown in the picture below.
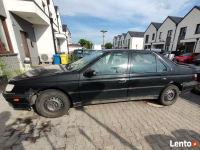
(188, 86)
(24, 102)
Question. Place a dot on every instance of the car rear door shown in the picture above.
(111, 81)
(148, 76)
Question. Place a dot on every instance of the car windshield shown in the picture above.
(186, 54)
(78, 65)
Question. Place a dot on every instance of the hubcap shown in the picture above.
(170, 95)
(53, 104)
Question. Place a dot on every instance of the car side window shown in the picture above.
(160, 66)
(143, 63)
(114, 63)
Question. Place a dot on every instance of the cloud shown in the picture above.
(141, 11)
(139, 28)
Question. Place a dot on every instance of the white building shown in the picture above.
(35, 28)
(134, 40)
(175, 31)
(150, 35)
(129, 40)
(115, 44)
(188, 31)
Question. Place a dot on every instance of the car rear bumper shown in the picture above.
(188, 86)
(24, 102)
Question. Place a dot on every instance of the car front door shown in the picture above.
(110, 84)
(148, 76)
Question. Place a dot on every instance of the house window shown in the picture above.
(5, 44)
(198, 29)
(153, 36)
(147, 38)
(43, 5)
(160, 36)
(169, 34)
(123, 41)
(183, 31)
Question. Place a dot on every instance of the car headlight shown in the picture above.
(9, 87)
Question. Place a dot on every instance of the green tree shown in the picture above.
(108, 45)
(82, 42)
(88, 45)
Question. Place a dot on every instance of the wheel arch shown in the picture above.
(37, 93)
(176, 84)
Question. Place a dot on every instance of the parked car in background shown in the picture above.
(102, 77)
(185, 58)
(197, 60)
(80, 53)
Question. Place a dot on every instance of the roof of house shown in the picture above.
(74, 45)
(115, 37)
(197, 7)
(136, 34)
(156, 24)
(119, 36)
(175, 19)
(124, 34)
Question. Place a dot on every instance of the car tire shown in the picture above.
(187, 61)
(169, 95)
(52, 104)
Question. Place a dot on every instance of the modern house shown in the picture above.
(123, 40)
(129, 40)
(115, 44)
(150, 35)
(35, 28)
(175, 31)
(165, 35)
(134, 40)
(188, 31)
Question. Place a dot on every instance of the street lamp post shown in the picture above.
(103, 31)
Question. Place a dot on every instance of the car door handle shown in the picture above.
(122, 80)
(164, 79)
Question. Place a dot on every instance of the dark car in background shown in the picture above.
(197, 60)
(102, 77)
(185, 58)
(80, 53)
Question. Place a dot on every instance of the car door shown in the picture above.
(111, 81)
(148, 76)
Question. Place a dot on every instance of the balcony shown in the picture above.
(28, 10)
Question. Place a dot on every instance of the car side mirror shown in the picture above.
(89, 73)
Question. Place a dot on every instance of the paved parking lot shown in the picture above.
(126, 125)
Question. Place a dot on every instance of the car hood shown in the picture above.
(41, 74)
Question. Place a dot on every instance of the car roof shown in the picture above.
(133, 50)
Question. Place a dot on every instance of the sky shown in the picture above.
(86, 18)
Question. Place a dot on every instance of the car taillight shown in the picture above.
(195, 77)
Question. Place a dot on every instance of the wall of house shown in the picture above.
(45, 9)
(149, 32)
(2, 9)
(44, 39)
(22, 25)
(126, 40)
(137, 41)
(164, 28)
(190, 21)
(72, 48)
(63, 46)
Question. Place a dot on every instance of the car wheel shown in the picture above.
(52, 104)
(187, 61)
(169, 95)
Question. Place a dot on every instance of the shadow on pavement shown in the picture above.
(191, 97)
(112, 132)
(15, 133)
(162, 141)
